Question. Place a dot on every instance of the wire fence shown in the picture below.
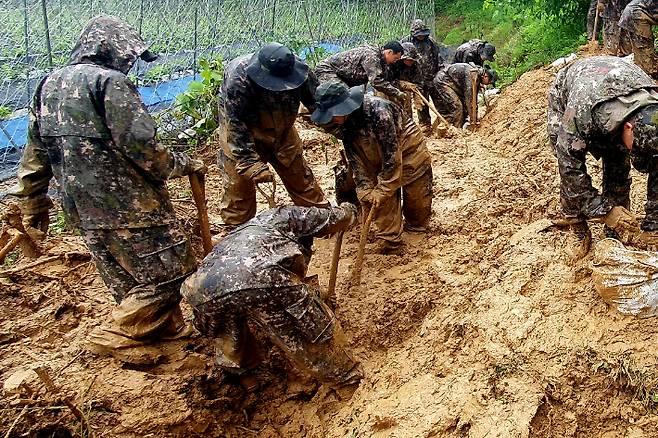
(37, 36)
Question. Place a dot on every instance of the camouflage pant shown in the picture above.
(239, 199)
(643, 49)
(611, 32)
(143, 268)
(293, 318)
(451, 106)
(591, 18)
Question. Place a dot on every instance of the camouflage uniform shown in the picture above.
(454, 91)
(387, 152)
(89, 129)
(591, 19)
(470, 51)
(637, 36)
(610, 17)
(256, 275)
(259, 127)
(359, 66)
(588, 104)
(430, 61)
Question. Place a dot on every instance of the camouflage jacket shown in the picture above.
(259, 120)
(470, 52)
(639, 16)
(576, 124)
(272, 250)
(359, 66)
(428, 50)
(458, 77)
(89, 128)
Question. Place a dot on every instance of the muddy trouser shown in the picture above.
(292, 317)
(616, 178)
(423, 112)
(643, 49)
(450, 106)
(417, 200)
(143, 268)
(239, 199)
(611, 31)
(591, 17)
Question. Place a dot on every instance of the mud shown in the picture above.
(483, 327)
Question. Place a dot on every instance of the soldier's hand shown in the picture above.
(199, 167)
(351, 210)
(39, 221)
(600, 7)
(620, 220)
(263, 176)
(375, 198)
(408, 86)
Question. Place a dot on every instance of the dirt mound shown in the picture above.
(483, 327)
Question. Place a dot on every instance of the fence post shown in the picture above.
(273, 16)
(49, 48)
(141, 16)
(26, 37)
(196, 31)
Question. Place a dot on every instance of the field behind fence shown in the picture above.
(36, 36)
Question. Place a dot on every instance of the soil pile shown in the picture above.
(483, 327)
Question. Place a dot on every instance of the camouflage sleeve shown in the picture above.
(377, 77)
(459, 55)
(320, 222)
(133, 132)
(242, 147)
(34, 171)
(577, 195)
(650, 222)
(386, 130)
(308, 91)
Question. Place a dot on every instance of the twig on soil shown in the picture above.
(63, 256)
(18, 418)
(59, 371)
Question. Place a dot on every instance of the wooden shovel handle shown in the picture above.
(199, 195)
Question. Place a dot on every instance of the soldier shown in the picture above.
(636, 35)
(257, 275)
(428, 65)
(388, 157)
(90, 130)
(612, 10)
(475, 51)
(607, 107)
(364, 65)
(405, 74)
(456, 87)
(259, 102)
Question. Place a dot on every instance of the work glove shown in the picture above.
(264, 176)
(39, 221)
(374, 197)
(408, 86)
(198, 166)
(620, 220)
(647, 240)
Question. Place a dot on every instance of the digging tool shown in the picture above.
(335, 258)
(365, 230)
(431, 106)
(474, 98)
(271, 200)
(199, 194)
(596, 28)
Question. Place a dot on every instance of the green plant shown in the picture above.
(199, 102)
(4, 112)
(59, 226)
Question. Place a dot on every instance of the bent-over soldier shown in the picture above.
(476, 51)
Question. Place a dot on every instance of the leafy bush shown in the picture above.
(4, 112)
(199, 102)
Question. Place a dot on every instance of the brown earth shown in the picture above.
(482, 328)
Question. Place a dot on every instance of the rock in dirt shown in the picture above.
(19, 381)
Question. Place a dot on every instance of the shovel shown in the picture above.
(440, 120)
(365, 230)
(199, 194)
(333, 273)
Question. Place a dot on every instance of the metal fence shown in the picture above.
(36, 36)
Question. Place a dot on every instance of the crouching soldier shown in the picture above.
(607, 107)
(637, 36)
(456, 88)
(259, 102)
(256, 276)
(89, 129)
(388, 157)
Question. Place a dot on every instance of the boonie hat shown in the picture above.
(334, 98)
(276, 68)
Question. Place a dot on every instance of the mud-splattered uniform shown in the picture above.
(387, 152)
(89, 129)
(587, 106)
(610, 17)
(428, 66)
(470, 51)
(257, 275)
(359, 66)
(454, 91)
(636, 34)
(259, 128)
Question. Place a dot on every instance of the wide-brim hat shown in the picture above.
(421, 32)
(276, 68)
(335, 99)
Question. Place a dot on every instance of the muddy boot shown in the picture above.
(177, 327)
(414, 228)
(104, 341)
(388, 247)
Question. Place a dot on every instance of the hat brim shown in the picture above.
(268, 81)
(348, 106)
(425, 32)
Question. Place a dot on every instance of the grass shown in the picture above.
(624, 372)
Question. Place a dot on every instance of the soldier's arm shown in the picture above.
(377, 78)
(242, 147)
(308, 91)
(320, 222)
(34, 172)
(577, 195)
(133, 132)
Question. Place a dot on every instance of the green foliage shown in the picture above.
(526, 33)
(4, 112)
(59, 226)
(199, 102)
